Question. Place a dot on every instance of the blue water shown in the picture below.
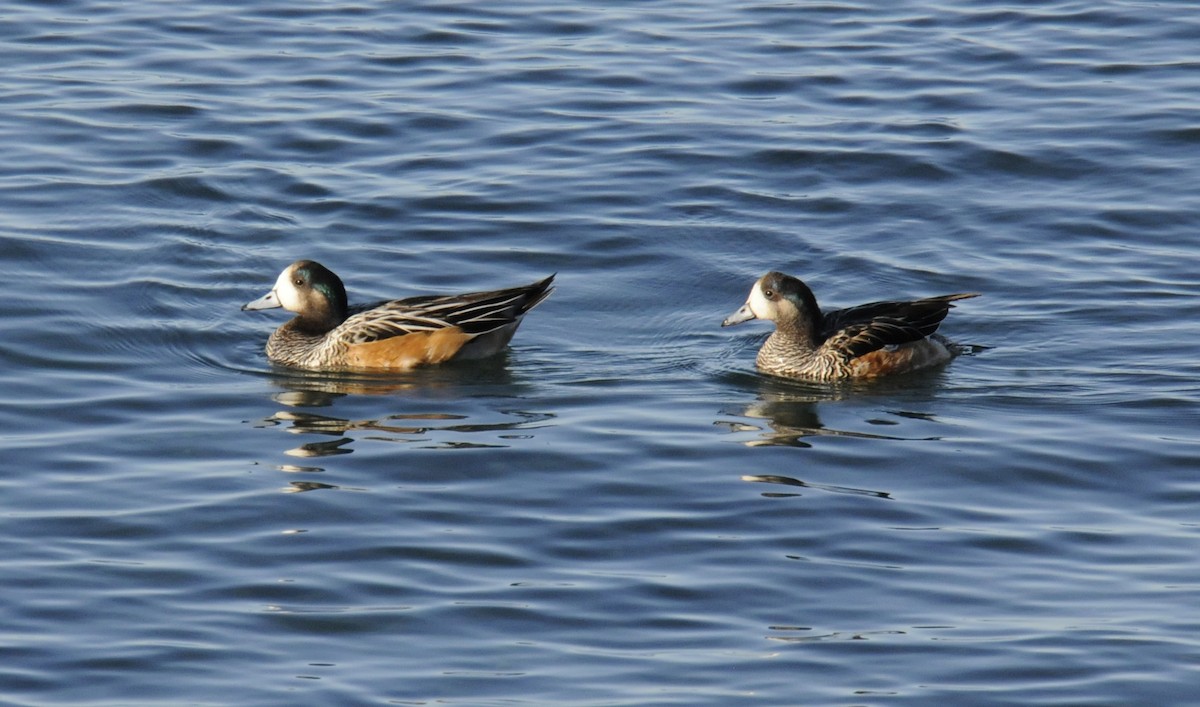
(620, 510)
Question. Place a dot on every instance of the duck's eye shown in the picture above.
(298, 281)
(769, 294)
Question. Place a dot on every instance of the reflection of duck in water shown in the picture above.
(328, 335)
(791, 419)
(866, 341)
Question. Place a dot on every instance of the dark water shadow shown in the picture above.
(458, 407)
(424, 430)
(797, 483)
(787, 413)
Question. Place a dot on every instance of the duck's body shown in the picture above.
(868, 341)
(329, 335)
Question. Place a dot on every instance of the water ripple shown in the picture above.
(620, 509)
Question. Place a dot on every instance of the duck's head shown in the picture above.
(309, 289)
(778, 298)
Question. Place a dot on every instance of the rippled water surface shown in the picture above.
(619, 510)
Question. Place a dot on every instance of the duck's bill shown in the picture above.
(267, 301)
(742, 315)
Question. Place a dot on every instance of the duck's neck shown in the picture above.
(311, 326)
(798, 333)
(788, 346)
(319, 320)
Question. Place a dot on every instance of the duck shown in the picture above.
(863, 342)
(327, 334)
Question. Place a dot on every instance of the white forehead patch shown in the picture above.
(758, 302)
(286, 292)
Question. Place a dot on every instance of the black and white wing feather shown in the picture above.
(475, 313)
(857, 331)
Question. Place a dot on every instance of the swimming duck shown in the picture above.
(866, 341)
(327, 334)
